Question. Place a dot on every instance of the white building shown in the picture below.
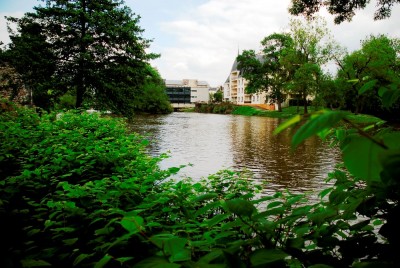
(191, 90)
(234, 89)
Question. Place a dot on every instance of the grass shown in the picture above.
(286, 112)
(293, 110)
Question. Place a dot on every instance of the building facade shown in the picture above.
(235, 89)
(187, 91)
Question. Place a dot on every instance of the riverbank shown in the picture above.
(229, 108)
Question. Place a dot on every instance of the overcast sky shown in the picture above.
(199, 39)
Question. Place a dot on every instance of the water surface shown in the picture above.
(211, 142)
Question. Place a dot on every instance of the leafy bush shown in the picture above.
(68, 171)
(82, 192)
(217, 108)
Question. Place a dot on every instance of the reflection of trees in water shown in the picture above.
(148, 126)
(213, 142)
(270, 157)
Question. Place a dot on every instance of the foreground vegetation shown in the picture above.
(78, 190)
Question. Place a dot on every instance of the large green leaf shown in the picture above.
(101, 263)
(205, 197)
(156, 262)
(34, 263)
(217, 219)
(268, 258)
(80, 258)
(318, 122)
(291, 121)
(367, 86)
(390, 161)
(240, 207)
(362, 155)
(389, 95)
(133, 224)
(173, 246)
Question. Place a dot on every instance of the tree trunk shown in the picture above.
(305, 103)
(279, 106)
(80, 90)
(79, 93)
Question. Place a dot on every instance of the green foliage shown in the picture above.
(246, 110)
(218, 96)
(370, 79)
(329, 93)
(67, 179)
(79, 190)
(153, 98)
(265, 72)
(218, 108)
(103, 43)
(312, 47)
(33, 59)
(342, 10)
(66, 101)
(365, 198)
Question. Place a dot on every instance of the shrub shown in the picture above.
(68, 178)
(82, 192)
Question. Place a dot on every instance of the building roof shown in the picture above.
(202, 83)
(186, 82)
(235, 66)
(173, 82)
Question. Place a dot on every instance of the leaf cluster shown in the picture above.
(343, 10)
(365, 195)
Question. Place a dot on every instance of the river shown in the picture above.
(211, 142)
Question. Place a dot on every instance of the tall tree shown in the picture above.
(342, 9)
(313, 46)
(98, 49)
(264, 71)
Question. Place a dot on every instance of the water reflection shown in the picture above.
(213, 142)
(271, 158)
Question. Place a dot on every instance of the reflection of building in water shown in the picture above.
(256, 148)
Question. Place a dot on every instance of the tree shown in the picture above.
(330, 92)
(372, 70)
(153, 98)
(218, 96)
(265, 71)
(342, 9)
(313, 47)
(99, 53)
(33, 59)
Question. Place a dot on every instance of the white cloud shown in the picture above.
(200, 39)
(208, 36)
(4, 37)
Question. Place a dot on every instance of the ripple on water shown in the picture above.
(212, 142)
